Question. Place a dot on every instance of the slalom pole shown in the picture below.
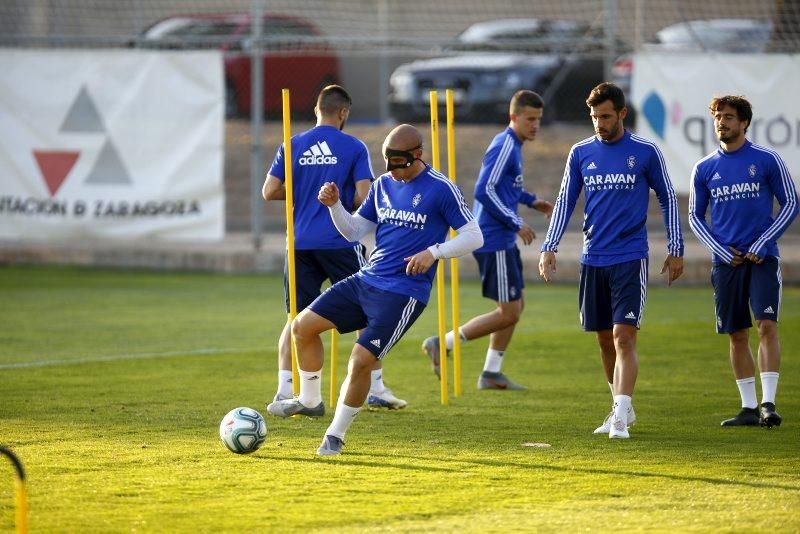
(334, 355)
(287, 170)
(440, 296)
(21, 493)
(454, 287)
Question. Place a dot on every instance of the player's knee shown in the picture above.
(740, 337)
(624, 339)
(606, 341)
(302, 327)
(511, 313)
(767, 329)
(361, 362)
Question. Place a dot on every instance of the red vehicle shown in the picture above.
(295, 56)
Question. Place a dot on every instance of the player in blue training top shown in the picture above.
(323, 154)
(740, 180)
(498, 191)
(616, 171)
(411, 208)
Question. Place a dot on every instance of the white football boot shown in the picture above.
(605, 428)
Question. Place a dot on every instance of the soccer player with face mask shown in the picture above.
(411, 208)
(324, 154)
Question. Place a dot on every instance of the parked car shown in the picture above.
(713, 35)
(490, 61)
(296, 56)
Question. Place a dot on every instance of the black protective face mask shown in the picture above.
(392, 154)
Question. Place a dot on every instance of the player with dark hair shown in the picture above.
(498, 191)
(740, 181)
(616, 170)
(410, 208)
(323, 154)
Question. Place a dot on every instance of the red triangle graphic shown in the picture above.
(55, 166)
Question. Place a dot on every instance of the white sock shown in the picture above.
(622, 405)
(449, 338)
(494, 360)
(769, 385)
(310, 388)
(342, 419)
(285, 383)
(747, 390)
(611, 387)
(376, 384)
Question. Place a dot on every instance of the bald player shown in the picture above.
(411, 208)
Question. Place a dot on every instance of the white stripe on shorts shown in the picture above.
(408, 311)
(643, 290)
(502, 276)
(780, 289)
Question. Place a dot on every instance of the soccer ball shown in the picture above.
(243, 430)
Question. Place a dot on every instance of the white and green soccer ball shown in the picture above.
(243, 430)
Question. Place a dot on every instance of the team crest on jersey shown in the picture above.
(631, 162)
(752, 170)
(416, 200)
(385, 199)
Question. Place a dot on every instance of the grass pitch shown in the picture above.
(112, 386)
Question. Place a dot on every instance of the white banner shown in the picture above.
(671, 93)
(112, 144)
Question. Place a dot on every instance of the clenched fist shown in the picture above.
(328, 194)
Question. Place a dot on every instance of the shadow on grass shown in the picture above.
(384, 461)
(588, 471)
(346, 459)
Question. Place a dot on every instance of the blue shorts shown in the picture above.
(352, 304)
(611, 295)
(737, 290)
(313, 267)
(501, 274)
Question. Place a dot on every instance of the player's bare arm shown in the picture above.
(544, 206)
(328, 194)
(673, 266)
(273, 189)
(547, 264)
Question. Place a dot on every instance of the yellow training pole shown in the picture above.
(21, 492)
(334, 354)
(454, 301)
(440, 297)
(287, 170)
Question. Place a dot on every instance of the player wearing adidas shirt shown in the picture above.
(323, 154)
(411, 208)
(739, 181)
(616, 171)
(499, 188)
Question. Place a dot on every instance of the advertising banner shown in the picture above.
(124, 144)
(671, 93)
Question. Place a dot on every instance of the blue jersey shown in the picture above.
(498, 191)
(322, 154)
(411, 217)
(741, 186)
(616, 179)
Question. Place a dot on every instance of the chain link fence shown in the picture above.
(390, 54)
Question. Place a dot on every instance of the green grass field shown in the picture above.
(112, 386)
